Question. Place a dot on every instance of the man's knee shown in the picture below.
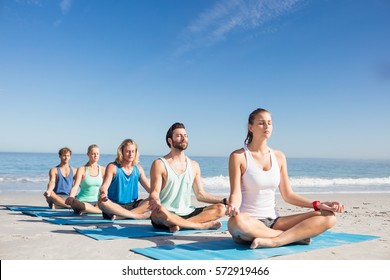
(220, 210)
(159, 214)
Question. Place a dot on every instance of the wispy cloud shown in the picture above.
(30, 2)
(65, 5)
(227, 16)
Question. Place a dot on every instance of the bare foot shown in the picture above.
(262, 242)
(54, 206)
(207, 225)
(145, 215)
(212, 225)
(174, 229)
(129, 215)
(140, 216)
(305, 241)
(117, 217)
(78, 207)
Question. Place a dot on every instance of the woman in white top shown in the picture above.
(255, 172)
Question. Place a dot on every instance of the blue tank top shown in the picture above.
(124, 188)
(64, 184)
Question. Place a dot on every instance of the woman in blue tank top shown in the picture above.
(119, 192)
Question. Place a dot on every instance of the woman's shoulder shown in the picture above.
(280, 156)
(81, 169)
(102, 170)
(237, 153)
(278, 153)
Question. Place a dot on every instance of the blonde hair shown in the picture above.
(93, 146)
(90, 148)
(119, 152)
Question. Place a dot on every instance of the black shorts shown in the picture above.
(127, 206)
(196, 212)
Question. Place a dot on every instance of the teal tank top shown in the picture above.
(124, 188)
(89, 186)
(176, 194)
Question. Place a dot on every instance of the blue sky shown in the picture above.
(73, 73)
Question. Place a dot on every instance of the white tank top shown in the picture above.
(258, 188)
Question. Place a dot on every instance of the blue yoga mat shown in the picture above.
(56, 213)
(136, 231)
(79, 220)
(30, 208)
(227, 249)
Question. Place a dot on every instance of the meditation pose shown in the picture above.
(89, 179)
(60, 180)
(255, 172)
(119, 191)
(173, 177)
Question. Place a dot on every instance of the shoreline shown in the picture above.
(29, 238)
(11, 190)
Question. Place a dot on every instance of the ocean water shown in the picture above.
(29, 172)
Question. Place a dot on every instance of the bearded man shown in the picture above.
(173, 178)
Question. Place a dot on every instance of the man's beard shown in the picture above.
(180, 145)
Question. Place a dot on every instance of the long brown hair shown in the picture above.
(249, 136)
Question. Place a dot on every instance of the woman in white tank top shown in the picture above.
(255, 172)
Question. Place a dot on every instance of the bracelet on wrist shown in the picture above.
(224, 201)
(315, 205)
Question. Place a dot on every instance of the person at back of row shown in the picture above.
(60, 180)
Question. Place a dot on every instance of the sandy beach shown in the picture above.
(23, 237)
